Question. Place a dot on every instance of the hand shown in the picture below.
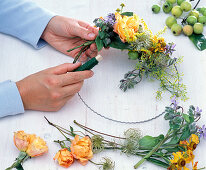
(59, 33)
(50, 89)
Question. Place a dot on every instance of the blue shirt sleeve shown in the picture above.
(10, 99)
(25, 20)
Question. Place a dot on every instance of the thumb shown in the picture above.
(64, 68)
(84, 33)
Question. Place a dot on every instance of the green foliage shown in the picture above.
(127, 14)
(199, 41)
(72, 131)
(185, 133)
(158, 162)
(149, 142)
(180, 122)
(118, 44)
(99, 43)
(19, 167)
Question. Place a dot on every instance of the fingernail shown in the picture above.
(92, 73)
(91, 35)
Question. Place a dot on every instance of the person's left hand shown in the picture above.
(59, 33)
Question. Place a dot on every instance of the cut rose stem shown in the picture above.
(78, 124)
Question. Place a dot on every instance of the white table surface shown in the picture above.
(101, 92)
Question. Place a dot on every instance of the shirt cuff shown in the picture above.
(10, 99)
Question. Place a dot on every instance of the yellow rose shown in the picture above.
(126, 27)
(81, 149)
(64, 158)
(21, 140)
(37, 147)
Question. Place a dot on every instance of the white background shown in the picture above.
(101, 92)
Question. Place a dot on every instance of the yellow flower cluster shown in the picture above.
(30, 143)
(128, 30)
(81, 149)
(181, 159)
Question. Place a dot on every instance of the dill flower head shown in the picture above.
(97, 143)
(131, 143)
(107, 164)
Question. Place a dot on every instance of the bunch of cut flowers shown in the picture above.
(152, 54)
(173, 150)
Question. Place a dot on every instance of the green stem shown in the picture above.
(19, 160)
(83, 44)
(95, 163)
(84, 48)
(152, 151)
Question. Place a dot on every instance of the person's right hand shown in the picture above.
(50, 89)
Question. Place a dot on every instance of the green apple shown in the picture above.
(177, 11)
(202, 20)
(171, 1)
(133, 55)
(170, 21)
(167, 7)
(188, 30)
(156, 9)
(191, 20)
(198, 28)
(176, 29)
(179, 2)
(204, 13)
(202, 10)
(186, 6)
(194, 13)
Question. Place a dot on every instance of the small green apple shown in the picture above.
(198, 28)
(186, 6)
(156, 9)
(194, 13)
(188, 30)
(167, 7)
(133, 55)
(202, 20)
(202, 10)
(179, 2)
(170, 21)
(176, 29)
(172, 1)
(191, 20)
(177, 11)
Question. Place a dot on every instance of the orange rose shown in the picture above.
(21, 140)
(126, 27)
(81, 149)
(64, 158)
(37, 147)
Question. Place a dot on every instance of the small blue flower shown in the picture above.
(174, 102)
(198, 112)
(202, 132)
(170, 48)
(110, 19)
